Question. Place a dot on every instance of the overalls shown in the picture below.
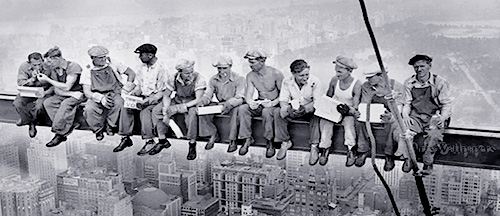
(104, 81)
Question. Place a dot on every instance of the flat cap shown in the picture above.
(345, 62)
(223, 61)
(255, 53)
(54, 51)
(419, 57)
(373, 71)
(98, 51)
(146, 48)
(184, 63)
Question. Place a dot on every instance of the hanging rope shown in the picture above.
(373, 152)
(393, 108)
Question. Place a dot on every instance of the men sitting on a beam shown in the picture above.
(62, 106)
(376, 91)
(229, 89)
(427, 108)
(297, 97)
(267, 80)
(102, 84)
(150, 82)
(30, 109)
(347, 90)
(189, 87)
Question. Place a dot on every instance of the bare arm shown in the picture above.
(250, 90)
(130, 74)
(356, 94)
(198, 93)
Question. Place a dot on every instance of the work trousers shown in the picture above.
(282, 133)
(98, 116)
(29, 109)
(207, 127)
(62, 111)
(190, 119)
(245, 119)
(126, 126)
(326, 132)
(391, 136)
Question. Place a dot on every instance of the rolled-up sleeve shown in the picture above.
(285, 92)
(240, 87)
(201, 84)
(445, 98)
(85, 77)
(23, 74)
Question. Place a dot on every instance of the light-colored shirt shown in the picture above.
(152, 79)
(26, 71)
(440, 88)
(234, 87)
(307, 94)
(118, 69)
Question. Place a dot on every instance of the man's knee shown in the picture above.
(244, 109)
(268, 112)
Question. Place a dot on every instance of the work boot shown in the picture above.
(124, 143)
(150, 144)
(351, 159)
(284, 147)
(232, 146)
(32, 130)
(407, 165)
(323, 158)
(58, 139)
(248, 142)
(427, 170)
(361, 159)
(162, 144)
(314, 155)
(19, 123)
(211, 141)
(270, 151)
(192, 151)
(99, 135)
(389, 163)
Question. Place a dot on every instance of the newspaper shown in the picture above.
(206, 110)
(131, 101)
(376, 110)
(326, 107)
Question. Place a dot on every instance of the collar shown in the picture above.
(152, 66)
(93, 67)
(414, 79)
(294, 82)
(230, 74)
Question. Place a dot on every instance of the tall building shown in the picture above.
(46, 163)
(392, 177)
(202, 167)
(151, 168)
(312, 190)
(201, 206)
(177, 182)
(294, 159)
(115, 203)
(471, 185)
(121, 162)
(279, 206)
(237, 182)
(154, 202)
(83, 187)
(25, 197)
(82, 161)
(9, 160)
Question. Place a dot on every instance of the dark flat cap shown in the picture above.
(146, 48)
(419, 57)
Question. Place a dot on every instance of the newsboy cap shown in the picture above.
(255, 53)
(184, 63)
(223, 61)
(345, 62)
(146, 48)
(419, 57)
(98, 51)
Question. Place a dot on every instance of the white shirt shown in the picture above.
(152, 79)
(290, 90)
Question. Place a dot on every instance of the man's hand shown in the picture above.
(179, 108)
(166, 119)
(107, 102)
(284, 111)
(408, 121)
(254, 105)
(226, 108)
(42, 77)
(387, 117)
(267, 103)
